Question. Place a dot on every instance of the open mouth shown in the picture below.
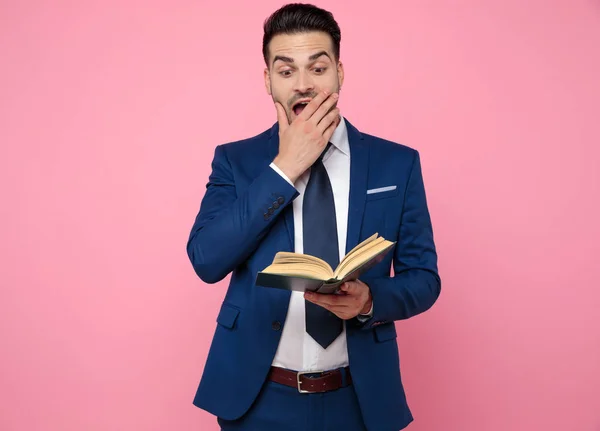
(299, 106)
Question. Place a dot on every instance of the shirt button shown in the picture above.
(270, 210)
(266, 216)
(280, 200)
(276, 326)
(275, 204)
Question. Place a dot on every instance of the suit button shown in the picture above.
(275, 204)
(270, 210)
(276, 326)
(280, 200)
(266, 216)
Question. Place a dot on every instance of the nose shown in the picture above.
(304, 82)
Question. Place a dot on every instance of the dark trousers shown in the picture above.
(282, 408)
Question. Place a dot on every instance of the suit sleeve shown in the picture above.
(229, 227)
(416, 285)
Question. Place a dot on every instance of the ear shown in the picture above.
(340, 71)
(267, 81)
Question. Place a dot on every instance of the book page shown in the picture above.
(356, 254)
(304, 269)
(360, 245)
(361, 256)
(285, 257)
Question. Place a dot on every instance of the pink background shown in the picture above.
(109, 116)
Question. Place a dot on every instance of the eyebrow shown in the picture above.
(291, 60)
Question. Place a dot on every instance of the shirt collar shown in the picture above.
(339, 139)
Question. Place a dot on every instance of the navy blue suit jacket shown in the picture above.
(234, 233)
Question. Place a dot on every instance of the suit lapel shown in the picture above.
(359, 170)
(288, 213)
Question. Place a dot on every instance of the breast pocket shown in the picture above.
(382, 193)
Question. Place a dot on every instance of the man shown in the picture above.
(311, 184)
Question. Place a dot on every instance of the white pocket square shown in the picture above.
(381, 190)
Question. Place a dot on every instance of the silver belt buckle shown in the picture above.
(300, 373)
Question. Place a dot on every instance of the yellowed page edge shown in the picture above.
(360, 258)
(356, 255)
(358, 246)
(314, 272)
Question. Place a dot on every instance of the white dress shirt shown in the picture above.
(297, 350)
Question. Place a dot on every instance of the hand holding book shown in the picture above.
(353, 299)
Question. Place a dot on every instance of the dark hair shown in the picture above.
(298, 18)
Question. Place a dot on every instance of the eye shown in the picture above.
(285, 73)
(320, 70)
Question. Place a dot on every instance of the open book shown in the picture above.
(302, 272)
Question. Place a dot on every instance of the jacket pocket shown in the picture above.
(385, 332)
(227, 316)
(382, 194)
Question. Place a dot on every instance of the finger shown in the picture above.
(328, 300)
(328, 119)
(341, 308)
(350, 287)
(326, 107)
(313, 105)
(330, 129)
(281, 117)
(343, 313)
(316, 298)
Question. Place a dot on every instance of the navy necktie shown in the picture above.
(320, 239)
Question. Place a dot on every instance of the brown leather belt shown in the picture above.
(312, 381)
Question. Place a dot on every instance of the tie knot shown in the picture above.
(320, 159)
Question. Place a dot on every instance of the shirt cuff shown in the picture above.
(365, 317)
(279, 171)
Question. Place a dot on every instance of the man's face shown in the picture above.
(301, 65)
